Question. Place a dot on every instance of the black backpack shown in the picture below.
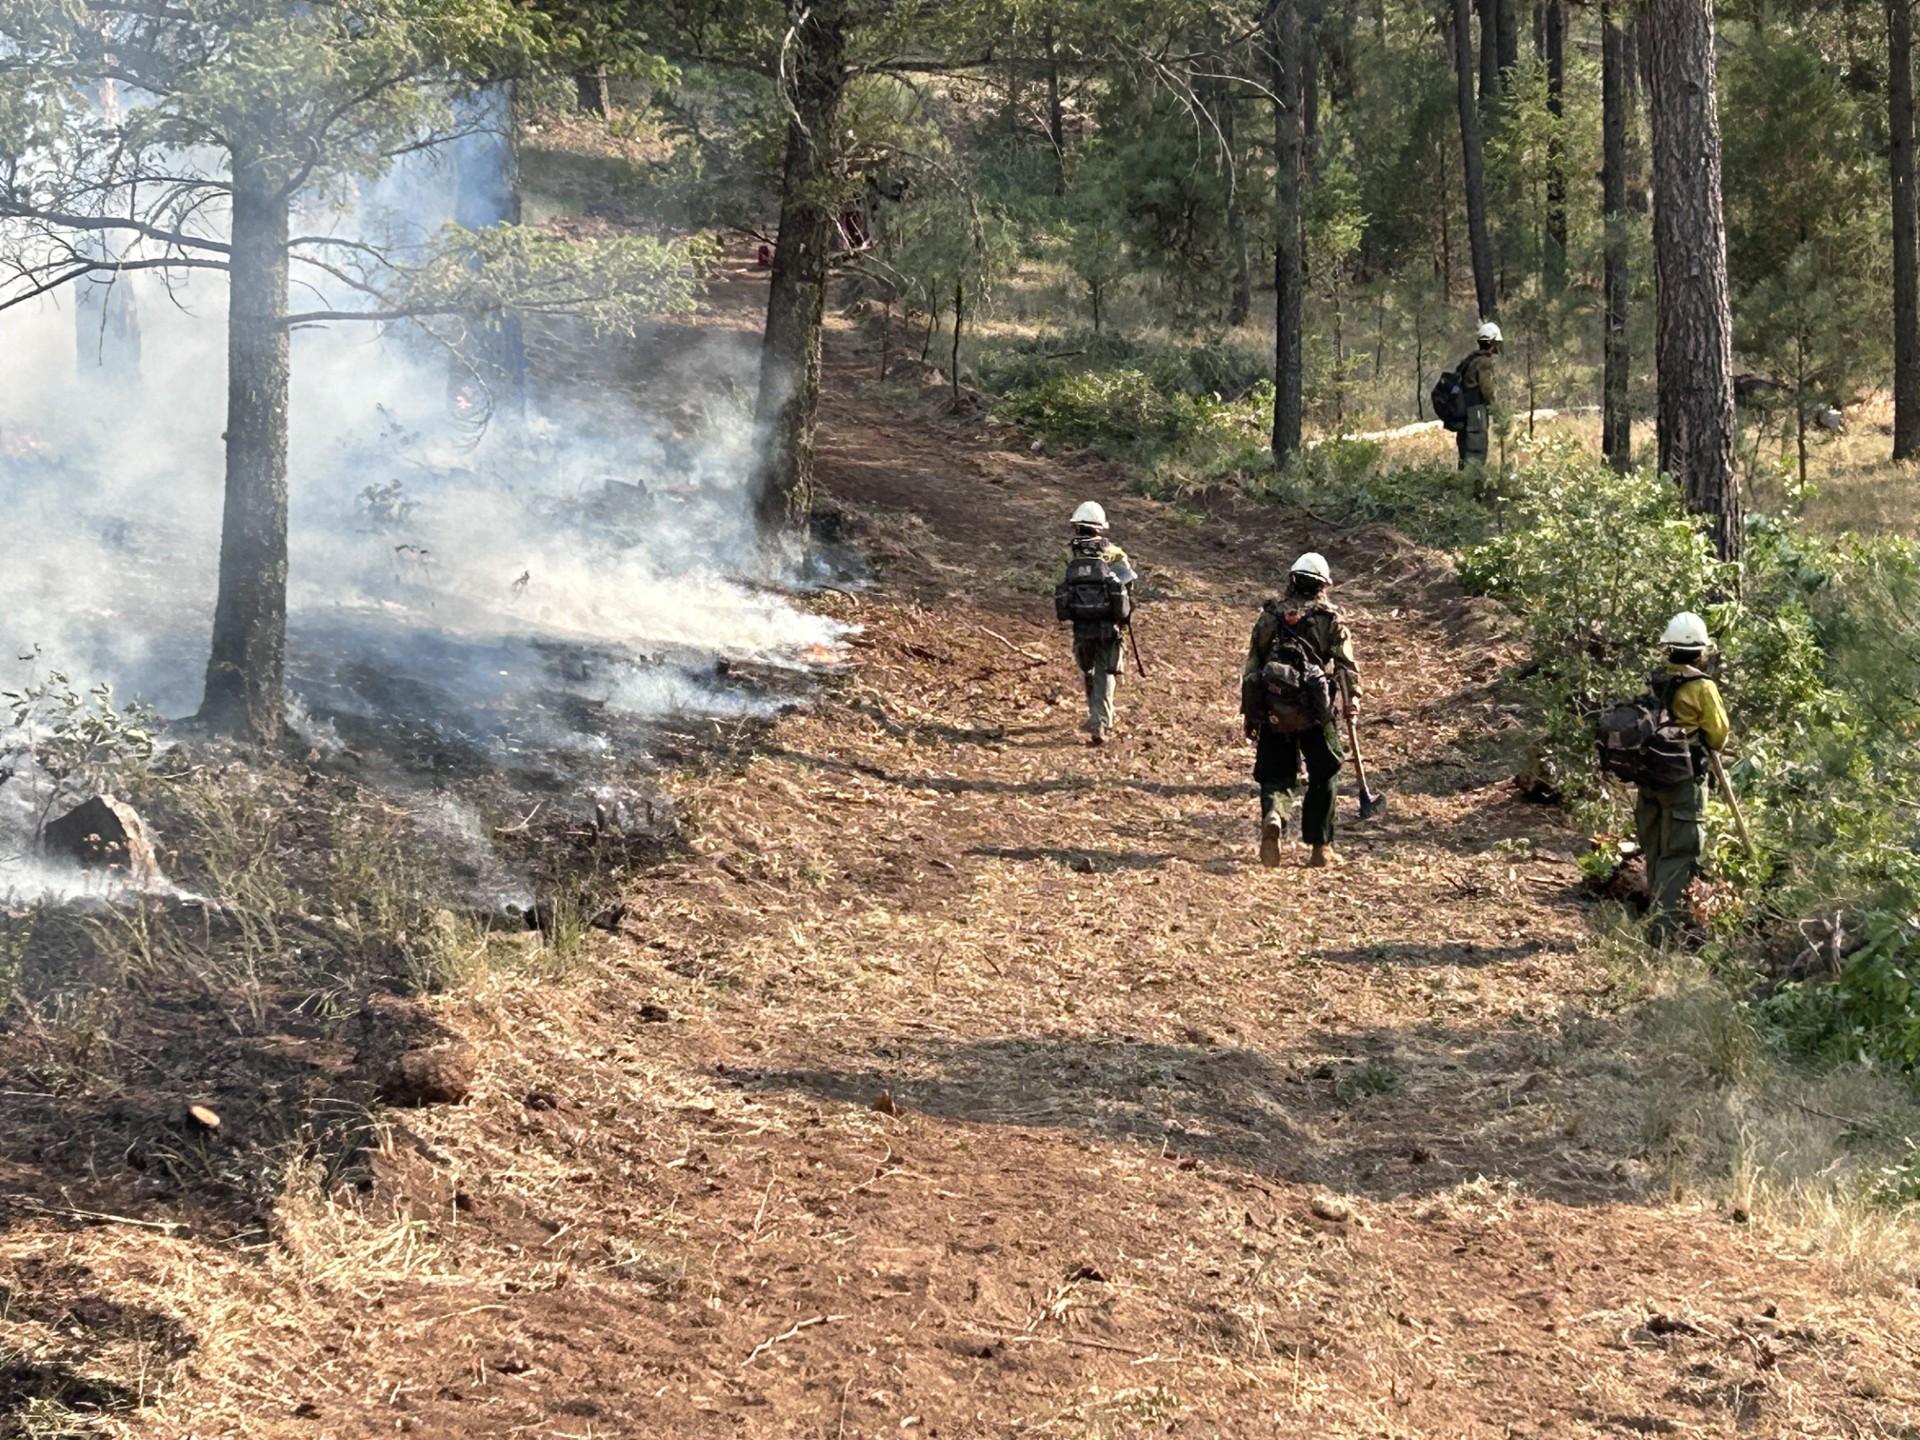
(1091, 593)
(1638, 741)
(1449, 400)
(1297, 692)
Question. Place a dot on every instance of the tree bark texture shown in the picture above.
(246, 673)
(1286, 52)
(1489, 60)
(1554, 257)
(1693, 346)
(1474, 176)
(789, 397)
(1509, 29)
(1906, 233)
(1616, 425)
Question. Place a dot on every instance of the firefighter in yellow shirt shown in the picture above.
(1669, 820)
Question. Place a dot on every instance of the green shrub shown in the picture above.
(1114, 407)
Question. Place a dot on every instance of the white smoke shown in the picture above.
(596, 562)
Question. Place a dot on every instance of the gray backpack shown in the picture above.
(1639, 742)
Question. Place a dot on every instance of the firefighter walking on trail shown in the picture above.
(1476, 374)
(1690, 719)
(1299, 677)
(1096, 596)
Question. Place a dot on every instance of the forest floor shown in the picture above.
(962, 1080)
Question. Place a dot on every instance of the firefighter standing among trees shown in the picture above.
(1668, 818)
(1097, 596)
(1299, 673)
(1477, 380)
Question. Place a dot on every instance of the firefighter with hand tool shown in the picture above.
(1667, 744)
(1299, 675)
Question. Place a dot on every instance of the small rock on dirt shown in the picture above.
(106, 834)
(1333, 1208)
(437, 1075)
(654, 1014)
(884, 1103)
(202, 1117)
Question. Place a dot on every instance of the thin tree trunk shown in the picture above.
(1419, 362)
(1554, 253)
(1240, 289)
(1286, 51)
(789, 396)
(1906, 233)
(1800, 416)
(1616, 425)
(959, 316)
(246, 673)
(1632, 75)
(1056, 113)
(590, 91)
(1694, 348)
(1475, 184)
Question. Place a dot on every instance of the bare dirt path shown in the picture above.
(966, 1082)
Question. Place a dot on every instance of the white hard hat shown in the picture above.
(1686, 631)
(1490, 331)
(1315, 564)
(1090, 513)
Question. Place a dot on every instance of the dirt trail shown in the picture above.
(967, 1082)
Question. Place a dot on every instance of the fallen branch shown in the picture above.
(34, 1207)
(1029, 1336)
(788, 1334)
(1016, 649)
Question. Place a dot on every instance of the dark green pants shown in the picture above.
(1668, 825)
(1099, 658)
(1472, 438)
(1276, 769)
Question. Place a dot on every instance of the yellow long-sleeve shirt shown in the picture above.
(1697, 707)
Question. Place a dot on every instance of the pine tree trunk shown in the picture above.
(1554, 254)
(1489, 61)
(1285, 51)
(1220, 105)
(959, 317)
(1906, 233)
(246, 674)
(1509, 41)
(1056, 112)
(1616, 425)
(1474, 179)
(1693, 348)
(789, 398)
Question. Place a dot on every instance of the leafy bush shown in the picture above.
(1111, 407)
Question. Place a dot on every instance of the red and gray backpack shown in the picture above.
(1639, 742)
